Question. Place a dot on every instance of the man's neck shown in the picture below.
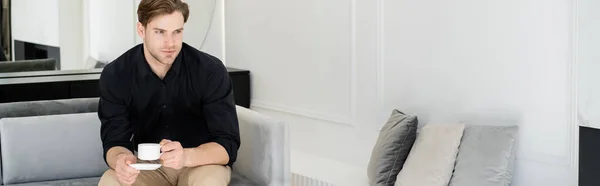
(158, 68)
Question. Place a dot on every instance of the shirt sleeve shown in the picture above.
(115, 128)
(219, 111)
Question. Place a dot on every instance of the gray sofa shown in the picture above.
(28, 65)
(57, 142)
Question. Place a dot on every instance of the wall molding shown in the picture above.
(380, 62)
(353, 71)
(573, 84)
(380, 54)
(221, 3)
(302, 112)
(351, 116)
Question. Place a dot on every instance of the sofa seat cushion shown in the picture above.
(53, 147)
(70, 182)
(236, 180)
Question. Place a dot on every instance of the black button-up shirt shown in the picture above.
(192, 104)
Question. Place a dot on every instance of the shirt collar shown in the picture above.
(144, 68)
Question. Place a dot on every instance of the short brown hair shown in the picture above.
(148, 9)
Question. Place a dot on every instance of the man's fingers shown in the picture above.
(164, 141)
(128, 181)
(122, 175)
(167, 156)
(170, 146)
(123, 170)
(130, 159)
(133, 176)
(125, 174)
(169, 161)
(127, 178)
(129, 170)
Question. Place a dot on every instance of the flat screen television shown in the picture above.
(29, 51)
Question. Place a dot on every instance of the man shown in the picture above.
(165, 91)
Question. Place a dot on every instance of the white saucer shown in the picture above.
(145, 166)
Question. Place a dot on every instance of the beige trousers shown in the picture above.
(213, 175)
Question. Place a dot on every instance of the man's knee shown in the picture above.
(109, 178)
(213, 175)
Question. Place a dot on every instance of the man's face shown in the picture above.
(163, 37)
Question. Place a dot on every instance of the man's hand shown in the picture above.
(173, 155)
(125, 173)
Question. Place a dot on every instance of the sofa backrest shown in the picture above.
(48, 107)
(51, 147)
(28, 65)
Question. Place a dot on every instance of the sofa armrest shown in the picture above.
(264, 154)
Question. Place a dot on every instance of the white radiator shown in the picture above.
(301, 180)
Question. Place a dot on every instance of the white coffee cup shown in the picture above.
(149, 151)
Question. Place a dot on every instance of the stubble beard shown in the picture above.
(157, 59)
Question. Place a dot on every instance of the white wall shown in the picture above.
(51, 22)
(85, 40)
(66, 24)
(214, 41)
(588, 62)
(35, 21)
(70, 34)
(111, 28)
(334, 70)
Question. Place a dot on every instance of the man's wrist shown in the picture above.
(113, 155)
(189, 156)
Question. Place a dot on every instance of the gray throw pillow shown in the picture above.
(393, 145)
(486, 156)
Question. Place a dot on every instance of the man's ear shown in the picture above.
(141, 30)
